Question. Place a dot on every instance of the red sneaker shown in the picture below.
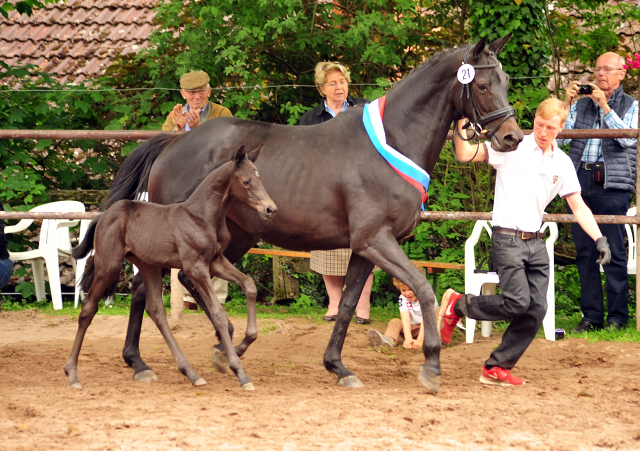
(499, 376)
(447, 318)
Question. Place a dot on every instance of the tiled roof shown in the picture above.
(77, 39)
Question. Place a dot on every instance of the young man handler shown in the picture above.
(527, 180)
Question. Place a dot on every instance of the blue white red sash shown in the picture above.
(407, 169)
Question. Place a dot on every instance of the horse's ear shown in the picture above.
(478, 48)
(240, 156)
(253, 155)
(497, 45)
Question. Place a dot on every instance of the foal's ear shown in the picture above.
(497, 45)
(240, 156)
(477, 49)
(253, 155)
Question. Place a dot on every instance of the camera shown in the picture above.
(585, 89)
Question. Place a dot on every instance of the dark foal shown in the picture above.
(192, 236)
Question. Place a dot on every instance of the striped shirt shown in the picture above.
(593, 148)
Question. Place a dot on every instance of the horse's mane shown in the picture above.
(432, 61)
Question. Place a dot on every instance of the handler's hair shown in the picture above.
(400, 285)
(552, 107)
(323, 68)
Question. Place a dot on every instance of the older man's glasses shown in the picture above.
(607, 69)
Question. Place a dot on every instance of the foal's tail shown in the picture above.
(133, 176)
(81, 251)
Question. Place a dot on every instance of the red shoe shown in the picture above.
(447, 318)
(499, 376)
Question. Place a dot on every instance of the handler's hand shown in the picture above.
(603, 248)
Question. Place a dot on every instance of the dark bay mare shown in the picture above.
(190, 235)
(332, 187)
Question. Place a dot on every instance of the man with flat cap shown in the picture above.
(195, 89)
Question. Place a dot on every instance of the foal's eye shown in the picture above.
(246, 183)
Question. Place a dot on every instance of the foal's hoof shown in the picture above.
(145, 376)
(76, 385)
(199, 383)
(350, 382)
(248, 386)
(220, 360)
(429, 379)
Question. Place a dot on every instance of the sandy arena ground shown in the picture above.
(578, 396)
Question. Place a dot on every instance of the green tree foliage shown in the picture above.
(267, 44)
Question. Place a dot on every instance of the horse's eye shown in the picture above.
(483, 88)
(246, 183)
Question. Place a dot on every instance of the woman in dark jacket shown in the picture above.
(332, 81)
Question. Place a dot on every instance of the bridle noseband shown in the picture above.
(478, 121)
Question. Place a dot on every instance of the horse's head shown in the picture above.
(484, 99)
(247, 184)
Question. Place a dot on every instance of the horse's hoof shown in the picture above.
(200, 382)
(220, 360)
(248, 386)
(76, 385)
(145, 376)
(350, 382)
(429, 379)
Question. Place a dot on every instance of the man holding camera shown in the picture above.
(607, 174)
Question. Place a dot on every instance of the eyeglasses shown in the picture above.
(335, 85)
(607, 69)
(193, 92)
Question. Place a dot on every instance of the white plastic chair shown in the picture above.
(54, 242)
(485, 283)
(80, 263)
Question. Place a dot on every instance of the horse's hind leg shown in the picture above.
(131, 350)
(200, 275)
(221, 267)
(101, 282)
(152, 277)
(357, 274)
(219, 354)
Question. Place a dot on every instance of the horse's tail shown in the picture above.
(83, 249)
(133, 176)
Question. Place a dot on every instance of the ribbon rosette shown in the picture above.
(632, 63)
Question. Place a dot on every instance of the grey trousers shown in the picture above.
(523, 268)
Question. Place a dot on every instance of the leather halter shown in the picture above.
(479, 121)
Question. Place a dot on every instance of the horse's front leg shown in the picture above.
(200, 275)
(131, 350)
(152, 277)
(388, 255)
(219, 353)
(222, 268)
(357, 274)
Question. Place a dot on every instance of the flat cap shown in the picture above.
(194, 80)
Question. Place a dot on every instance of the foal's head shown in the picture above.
(246, 184)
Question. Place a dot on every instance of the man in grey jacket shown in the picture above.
(607, 174)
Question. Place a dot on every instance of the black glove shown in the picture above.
(603, 248)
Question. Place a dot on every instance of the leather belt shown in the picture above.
(588, 166)
(519, 233)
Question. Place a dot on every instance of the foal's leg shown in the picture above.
(223, 268)
(219, 354)
(152, 277)
(131, 350)
(200, 275)
(357, 274)
(101, 282)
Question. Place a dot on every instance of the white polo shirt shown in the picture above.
(526, 183)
